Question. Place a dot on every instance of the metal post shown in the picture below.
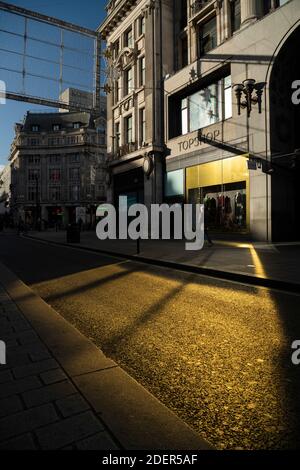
(97, 75)
(38, 225)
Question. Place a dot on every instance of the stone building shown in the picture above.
(57, 165)
(5, 182)
(201, 109)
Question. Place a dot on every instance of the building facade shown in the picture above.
(57, 165)
(5, 185)
(135, 128)
(180, 130)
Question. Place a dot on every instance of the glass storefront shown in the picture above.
(223, 188)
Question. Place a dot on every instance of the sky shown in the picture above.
(89, 14)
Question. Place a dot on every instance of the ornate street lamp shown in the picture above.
(249, 93)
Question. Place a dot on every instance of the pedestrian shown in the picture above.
(20, 226)
(206, 234)
(207, 237)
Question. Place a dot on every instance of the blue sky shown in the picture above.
(89, 14)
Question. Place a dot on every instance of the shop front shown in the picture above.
(129, 184)
(55, 217)
(223, 187)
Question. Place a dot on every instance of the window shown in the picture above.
(54, 193)
(207, 106)
(35, 128)
(129, 38)
(117, 135)
(142, 24)
(72, 140)
(183, 14)
(75, 158)
(34, 159)
(32, 193)
(33, 175)
(184, 51)
(54, 159)
(128, 130)
(56, 127)
(53, 142)
(54, 174)
(184, 116)
(76, 125)
(227, 97)
(34, 142)
(235, 14)
(142, 71)
(118, 91)
(208, 36)
(74, 192)
(116, 48)
(74, 173)
(142, 125)
(128, 81)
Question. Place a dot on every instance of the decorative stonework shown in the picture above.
(147, 10)
(126, 57)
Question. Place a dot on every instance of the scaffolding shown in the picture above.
(42, 56)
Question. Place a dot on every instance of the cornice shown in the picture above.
(117, 15)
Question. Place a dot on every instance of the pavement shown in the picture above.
(59, 391)
(238, 259)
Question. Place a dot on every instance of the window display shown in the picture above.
(225, 205)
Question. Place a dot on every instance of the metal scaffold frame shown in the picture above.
(64, 26)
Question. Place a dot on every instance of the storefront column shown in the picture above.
(44, 213)
(248, 11)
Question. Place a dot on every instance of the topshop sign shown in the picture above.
(194, 142)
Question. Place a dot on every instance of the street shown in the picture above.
(217, 353)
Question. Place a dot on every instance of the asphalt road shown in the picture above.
(217, 353)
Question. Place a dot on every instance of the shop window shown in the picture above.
(226, 85)
(184, 116)
(225, 205)
(235, 15)
(207, 106)
(223, 187)
(207, 36)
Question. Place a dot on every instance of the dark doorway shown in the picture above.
(285, 139)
